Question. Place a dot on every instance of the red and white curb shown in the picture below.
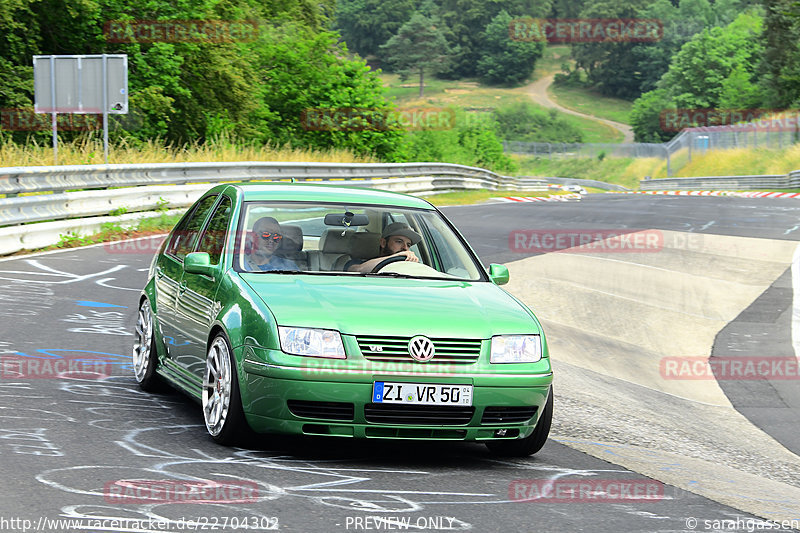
(768, 194)
(759, 194)
(553, 198)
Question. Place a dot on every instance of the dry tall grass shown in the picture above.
(90, 152)
(742, 162)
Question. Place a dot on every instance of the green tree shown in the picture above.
(780, 66)
(698, 71)
(465, 22)
(716, 69)
(306, 71)
(739, 91)
(418, 46)
(647, 117)
(628, 69)
(504, 60)
(366, 24)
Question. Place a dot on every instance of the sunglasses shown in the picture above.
(277, 237)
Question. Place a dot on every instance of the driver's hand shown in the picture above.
(410, 256)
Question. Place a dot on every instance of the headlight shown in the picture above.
(516, 349)
(311, 342)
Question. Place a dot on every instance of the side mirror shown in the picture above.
(199, 263)
(498, 274)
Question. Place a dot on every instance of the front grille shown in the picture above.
(321, 410)
(423, 415)
(453, 351)
(507, 415)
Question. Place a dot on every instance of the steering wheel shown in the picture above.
(387, 261)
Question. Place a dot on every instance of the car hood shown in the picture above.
(388, 306)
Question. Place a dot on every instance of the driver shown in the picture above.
(267, 238)
(396, 240)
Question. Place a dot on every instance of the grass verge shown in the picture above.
(113, 232)
(591, 103)
(621, 171)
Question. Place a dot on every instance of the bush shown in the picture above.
(471, 142)
(523, 121)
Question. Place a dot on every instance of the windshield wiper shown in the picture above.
(308, 272)
(387, 275)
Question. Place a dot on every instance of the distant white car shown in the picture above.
(575, 188)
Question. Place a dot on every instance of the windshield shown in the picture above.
(351, 240)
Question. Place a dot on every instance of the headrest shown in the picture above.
(365, 245)
(292, 238)
(332, 241)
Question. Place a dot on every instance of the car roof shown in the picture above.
(304, 192)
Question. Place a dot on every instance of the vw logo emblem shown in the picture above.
(421, 348)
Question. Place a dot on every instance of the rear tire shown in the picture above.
(222, 404)
(532, 443)
(145, 355)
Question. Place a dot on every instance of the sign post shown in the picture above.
(81, 84)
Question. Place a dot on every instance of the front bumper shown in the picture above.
(335, 398)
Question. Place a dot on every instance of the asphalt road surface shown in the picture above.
(70, 437)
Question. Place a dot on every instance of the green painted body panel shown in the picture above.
(356, 305)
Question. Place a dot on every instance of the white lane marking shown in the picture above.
(45, 270)
(796, 302)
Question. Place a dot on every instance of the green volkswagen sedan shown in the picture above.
(322, 310)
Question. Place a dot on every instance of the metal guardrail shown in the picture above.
(53, 200)
(15, 180)
(790, 181)
(71, 193)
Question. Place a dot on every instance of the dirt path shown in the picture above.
(538, 93)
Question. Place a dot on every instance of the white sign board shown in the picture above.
(75, 83)
(96, 84)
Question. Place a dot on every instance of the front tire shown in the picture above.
(222, 404)
(145, 356)
(533, 442)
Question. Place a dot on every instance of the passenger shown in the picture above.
(396, 240)
(267, 238)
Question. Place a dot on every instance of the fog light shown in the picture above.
(500, 433)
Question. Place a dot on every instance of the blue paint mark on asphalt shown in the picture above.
(89, 303)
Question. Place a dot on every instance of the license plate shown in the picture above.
(421, 393)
